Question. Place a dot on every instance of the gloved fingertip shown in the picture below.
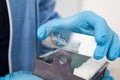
(107, 76)
(41, 33)
(97, 57)
(100, 52)
(112, 56)
(107, 73)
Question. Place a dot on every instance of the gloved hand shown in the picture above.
(21, 75)
(107, 76)
(86, 23)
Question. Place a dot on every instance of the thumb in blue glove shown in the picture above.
(107, 76)
(86, 23)
(21, 75)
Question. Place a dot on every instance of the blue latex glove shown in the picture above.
(107, 76)
(21, 75)
(28, 76)
(86, 23)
